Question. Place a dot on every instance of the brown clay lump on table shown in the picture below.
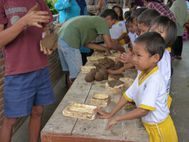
(117, 65)
(114, 83)
(90, 76)
(102, 74)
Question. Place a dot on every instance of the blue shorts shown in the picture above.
(70, 58)
(23, 91)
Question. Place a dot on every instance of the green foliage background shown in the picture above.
(51, 3)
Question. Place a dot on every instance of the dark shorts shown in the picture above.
(23, 91)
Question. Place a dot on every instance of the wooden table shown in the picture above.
(65, 129)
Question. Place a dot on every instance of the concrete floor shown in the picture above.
(180, 88)
(180, 105)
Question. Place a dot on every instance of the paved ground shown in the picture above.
(180, 106)
(180, 87)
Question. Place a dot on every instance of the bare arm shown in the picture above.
(104, 115)
(117, 71)
(136, 113)
(112, 44)
(108, 41)
(122, 69)
(94, 7)
(96, 47)
(8, 35)
(128, 66)
(32, 18)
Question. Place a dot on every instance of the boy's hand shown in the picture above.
(125, 57)
(103, 114)
(35, 17)
(45, 50)
(111, 123)
(107, 52)
(110, 71)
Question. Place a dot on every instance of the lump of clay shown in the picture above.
(49, 41)
(116, 76)
(105, 63)
(101, 75)
(51, 37)
(114, 83)
(117, 65)
(105, 73)
(90, 76)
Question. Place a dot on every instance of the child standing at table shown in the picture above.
(167, 28)
(118, 30)
(143, 21)
(148, 92)
(145, 18)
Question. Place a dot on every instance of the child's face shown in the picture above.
(160, 30)
(130, 27)
(142, 28)
(142, 60)
(135, 25)
(117, 11)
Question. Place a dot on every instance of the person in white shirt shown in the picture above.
(148, 92)
(167, 28)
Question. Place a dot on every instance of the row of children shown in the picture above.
(27, 87)
(151, 37)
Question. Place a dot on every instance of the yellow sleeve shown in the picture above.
(147, 107)
(127, 98)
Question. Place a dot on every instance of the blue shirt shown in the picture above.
(67, 9)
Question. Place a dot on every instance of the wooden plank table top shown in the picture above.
(60, 128)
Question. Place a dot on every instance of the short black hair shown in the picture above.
(147, 16)
(127, 15)
(120, 18)
(135, 13)
(109, 12)
(167, 25)
(129, 20)
(154, 43)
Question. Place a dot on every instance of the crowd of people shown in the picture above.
(152, 32)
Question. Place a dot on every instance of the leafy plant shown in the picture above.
(50, 4)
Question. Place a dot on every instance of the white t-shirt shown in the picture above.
(132, 36)
(164, 66)
(117, 29)
(150, 93)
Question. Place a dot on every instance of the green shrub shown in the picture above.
(50, 4)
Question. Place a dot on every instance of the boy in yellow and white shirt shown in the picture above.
(148, 92)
